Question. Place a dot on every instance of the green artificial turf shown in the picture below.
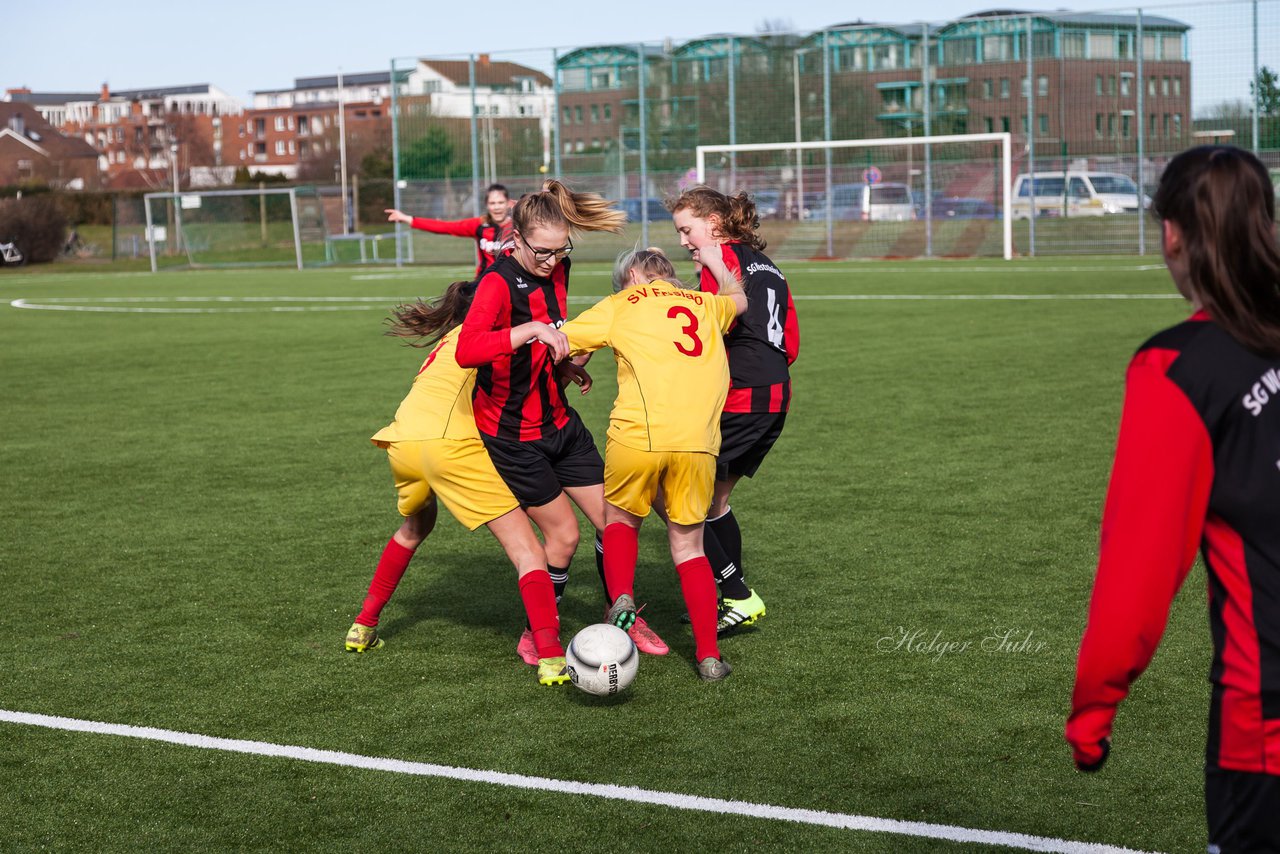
(191, 511)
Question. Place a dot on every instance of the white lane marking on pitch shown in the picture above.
(546, 784)
(226, 305)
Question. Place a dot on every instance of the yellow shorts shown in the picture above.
(633, 477)
(457, 470)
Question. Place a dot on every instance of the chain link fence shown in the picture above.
(1096, 103)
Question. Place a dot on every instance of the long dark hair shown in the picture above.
(427, 322)
(556, 204)
(737, 216)
(1222, 199)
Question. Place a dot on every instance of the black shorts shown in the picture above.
(1243, 810)
(745, 440)
(537, 471)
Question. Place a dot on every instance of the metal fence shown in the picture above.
(1096, 102)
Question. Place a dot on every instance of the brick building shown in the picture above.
(32, 151)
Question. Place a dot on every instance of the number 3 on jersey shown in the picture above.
(690, 330)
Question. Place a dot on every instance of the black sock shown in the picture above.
(722, 539)
(604, 585)
(559, 579)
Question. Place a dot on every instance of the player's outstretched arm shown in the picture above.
(394, 215)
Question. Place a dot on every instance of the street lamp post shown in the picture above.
(795, 73)
(177, 207)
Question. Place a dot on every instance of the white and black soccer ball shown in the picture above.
(602, 660)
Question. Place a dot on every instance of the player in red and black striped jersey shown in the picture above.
(761, 347)
(1196, 466)
(491, 232)
(537, 442)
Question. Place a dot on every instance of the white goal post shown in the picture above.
(1006, 168)
(225, 228)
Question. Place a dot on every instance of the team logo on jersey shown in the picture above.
(520, 283)
(757, 267)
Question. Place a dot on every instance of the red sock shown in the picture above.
(699, 588)
(539, 596)
(391, 566)
(621, 548)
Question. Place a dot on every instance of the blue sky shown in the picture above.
(75, 45)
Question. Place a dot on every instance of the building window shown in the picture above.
(279, 122)
(1177, 124)
(1043, 122)
(279, 146)
(608, 112)
(988, 89)
(1126, 121)
(1151, 124)
(1042, 86)
(595, 113)
(292, 150)
(577, 114)
(1073, 45)
(989, 124)
(1111, 85)
(1126, 85)
(289, 122)
(1004, 124)
(1165, 123)
(997, 48)
(1004, 88)
(1151, 86)
(1097, 85)
(1097, 125)
(1177, 87)
(1102, 46)
(1164, 86)
(568, 115)
(1111, 125)
(568, 148)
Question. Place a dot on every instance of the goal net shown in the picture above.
(929, 196)
(237, 228)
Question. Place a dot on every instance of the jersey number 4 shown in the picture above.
(690, 330)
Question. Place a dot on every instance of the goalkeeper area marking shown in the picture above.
(630, 794)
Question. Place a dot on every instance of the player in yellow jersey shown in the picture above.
(664, 431)
(436, 452)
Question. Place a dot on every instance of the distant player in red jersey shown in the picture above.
(491, 232)
(435, 452)
(1197, 464)
(537, 442)
(761, 347)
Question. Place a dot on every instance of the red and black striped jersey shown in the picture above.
(766, 338)
(490, 239)
(517, 397)
(1197, 465)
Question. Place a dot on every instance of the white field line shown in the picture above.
(228, 305)
(630, 794)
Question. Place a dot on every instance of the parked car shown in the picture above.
(960, 207)
(652, 206)
(768, 203)
(885, 202)
(1076, 194)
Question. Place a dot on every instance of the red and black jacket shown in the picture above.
(490, 239)
(766, 338)
(517, 398)
(1197, 466)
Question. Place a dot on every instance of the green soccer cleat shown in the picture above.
(363, 638)
(735, 613)
(553, 671)
(713, 670)
(622, 613)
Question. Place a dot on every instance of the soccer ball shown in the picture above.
(602, 660)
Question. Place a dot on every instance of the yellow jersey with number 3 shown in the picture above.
(673, 375)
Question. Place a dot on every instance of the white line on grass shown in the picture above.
(226, 305)
(631, 794)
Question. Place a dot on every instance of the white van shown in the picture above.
(1075, 194)
(884, 202)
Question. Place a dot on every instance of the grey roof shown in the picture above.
(1083, 18)
(358, 79)
(52, 97)
(158, 92)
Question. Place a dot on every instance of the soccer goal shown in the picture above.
(236, 228)
(925, 196)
